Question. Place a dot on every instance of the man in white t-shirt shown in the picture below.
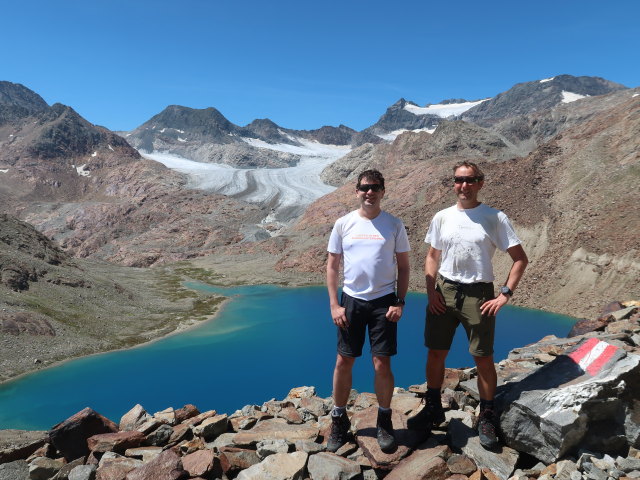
(374, 248)
(463, 239)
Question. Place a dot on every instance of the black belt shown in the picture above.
(460, 284)
(460, 287)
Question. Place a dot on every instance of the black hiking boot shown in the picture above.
(430, 416)
(386, 440)
(488, 429)
(340, 426)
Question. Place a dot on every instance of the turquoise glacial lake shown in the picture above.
(264, 341)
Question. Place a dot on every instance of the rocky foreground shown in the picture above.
(570, 410)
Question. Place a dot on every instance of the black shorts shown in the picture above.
(371, 314)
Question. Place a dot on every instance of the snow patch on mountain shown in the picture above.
(443, 110)
(568, 97)
(391, 136)
(545, 80)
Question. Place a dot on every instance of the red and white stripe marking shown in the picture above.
(592, 355)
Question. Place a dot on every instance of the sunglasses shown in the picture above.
(376, 187)
(467, 179)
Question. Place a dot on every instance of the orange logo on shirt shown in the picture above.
(365, 236)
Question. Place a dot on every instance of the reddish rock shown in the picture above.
(276, 428)
(190, 446)
(585, 326)
(233, 459)
(421, 465)
(186, 412)
(116, 467)
(202, 463)
(314, 405)
(115, 442)
(134, 418)
(365, 424)
(242, 423)
(291, 415)
(461, 464)
(166, 466)
(70, 437)
(180, 433)
(198, 419)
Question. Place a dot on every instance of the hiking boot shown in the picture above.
(488, 429)
(385, 436)
(430, 416)
(340, 426)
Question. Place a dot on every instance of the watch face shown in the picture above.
(506, 291)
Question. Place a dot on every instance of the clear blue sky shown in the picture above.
(303, 64)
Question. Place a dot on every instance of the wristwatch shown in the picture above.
(506, 291)
(399, 302)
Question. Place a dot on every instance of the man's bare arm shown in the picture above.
(520, 262)
(431, 264)
(395, 311)
(333, 272)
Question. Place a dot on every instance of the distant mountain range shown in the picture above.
(561, 154)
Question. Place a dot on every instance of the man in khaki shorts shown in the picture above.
(463, 239)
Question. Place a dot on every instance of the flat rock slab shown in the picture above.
(281, 466)
(427, 464)
(19, 444)
(329, 466)
(364, 423)
(273, 429)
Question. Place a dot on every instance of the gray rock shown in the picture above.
(160, 436)
(83, 472)
(134, 418)
(328, 466)
(628, 464)
(281, 466)
(212, 427)
(562, 406)
(19, 444)
(271, 447)
(43, 468)
(16, 470)
(308, 446)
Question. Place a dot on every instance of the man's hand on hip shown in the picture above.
(491, 307)
(394, 313)
(339, 317)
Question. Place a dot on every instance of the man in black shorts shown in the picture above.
(463, 239)
(375, 250)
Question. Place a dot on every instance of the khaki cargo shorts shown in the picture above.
(463, 303)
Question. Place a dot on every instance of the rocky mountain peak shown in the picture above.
(537, 96)
(17, 101)
(16, 95)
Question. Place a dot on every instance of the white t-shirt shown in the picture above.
(468, 238)
(369, 250)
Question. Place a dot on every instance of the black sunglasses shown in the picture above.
(467, 179)
(376, 187)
